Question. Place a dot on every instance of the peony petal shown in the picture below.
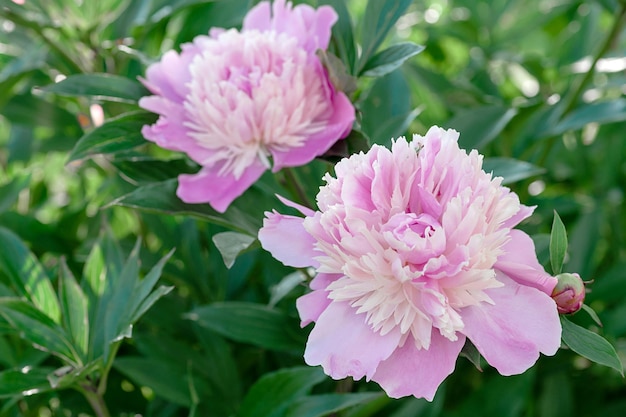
(345, 345)
(338, 127)
(511, 333)
(419, 372)
(258, 17)
(287, 240)
(520, 263)
(312, 305)
(207, 186)
(304, 210)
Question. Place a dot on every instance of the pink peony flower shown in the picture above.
(414, 253)
(233, 99)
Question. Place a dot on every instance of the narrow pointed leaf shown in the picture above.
(37, 328)
(389, 59)
(74, 310)
(590, 345)
(119, 134)
(16, 382)
(100, 87)
(558, 244)
(27, 274)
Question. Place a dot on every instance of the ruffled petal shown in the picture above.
(338, 127)
(520, 263)
(287, 240)
(511, 333)
(345, 345)
(310, 306)
(207, 186)
(419, 372)
(312, 27)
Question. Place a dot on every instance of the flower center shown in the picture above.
(251, 93)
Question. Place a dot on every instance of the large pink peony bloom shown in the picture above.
(414, 252)
(233, 99)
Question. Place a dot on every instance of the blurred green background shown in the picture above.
(539, 82)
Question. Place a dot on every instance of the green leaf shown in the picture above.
(141, 170)
(325, 404)
(590, 345)
(285, 286)
(100, 87)
(23, 382)
(602, 112)
(390, 59)
(74, 310)
(143, 297)
(273, 393)
(380, 16)
(558, 244)
(251, 323)
(512, 170)
(118, 134)
(27, 274)
(479, 126)
(37, 328)
(472, 354)
(342, 41)
(231, 244)
(592, 314)
(161, 198)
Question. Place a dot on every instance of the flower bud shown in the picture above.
(569, 293)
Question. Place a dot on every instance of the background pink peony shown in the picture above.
(234, 100)
(415, 253)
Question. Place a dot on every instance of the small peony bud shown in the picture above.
(569, 293)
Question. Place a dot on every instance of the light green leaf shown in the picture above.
(100, 87)
(27, 274)
(511, 169)
(325, 404)
(118, 134)
(251, 323)
(285, 286)
(273, 393)
(390, 59)
(590, 345)
(74, 310)
(558, 244)
(231, 244)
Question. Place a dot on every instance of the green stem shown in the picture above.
(19, 20)
(96, 400)
(102, 385)
(572, 99)
(606, 46)
(295, 188)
